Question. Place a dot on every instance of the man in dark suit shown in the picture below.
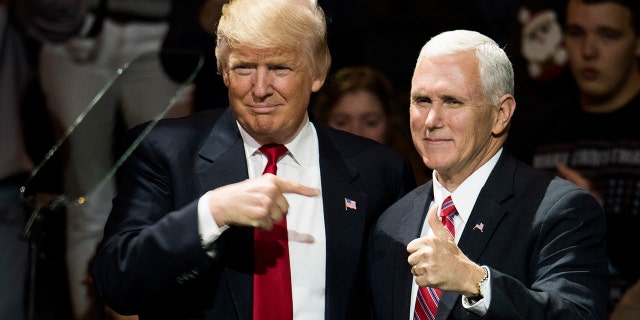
(514, 242)
(179, 243)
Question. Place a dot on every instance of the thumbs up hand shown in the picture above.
(437, 262)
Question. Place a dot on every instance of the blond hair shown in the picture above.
(297, 24)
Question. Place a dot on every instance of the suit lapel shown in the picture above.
(410, 229)
(485, 216)
(222, 159)
(488, 209)
(344, 226)
(222, 162)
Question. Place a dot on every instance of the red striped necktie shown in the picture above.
(428, 298)
(272, 298)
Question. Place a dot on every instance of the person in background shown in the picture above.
(541, 70)
(628, 307)
(593, 140)
(185, 237)
(15, 163)
(73, 69)
(362, 100)
(510, 241)
(192, 27)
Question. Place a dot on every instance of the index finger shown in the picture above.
(289, 186)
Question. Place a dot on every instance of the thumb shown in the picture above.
(435, 223)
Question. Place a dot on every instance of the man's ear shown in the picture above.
(317, 83)
(506, 108)
(225, 77)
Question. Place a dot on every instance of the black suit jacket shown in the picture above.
(542, 239)
(151, 261)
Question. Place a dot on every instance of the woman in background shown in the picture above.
(363, 101)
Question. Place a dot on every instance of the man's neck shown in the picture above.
(614, 102)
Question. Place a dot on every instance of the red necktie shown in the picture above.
(428, 298)
(272, 298)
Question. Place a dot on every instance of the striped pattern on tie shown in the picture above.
(428, 298)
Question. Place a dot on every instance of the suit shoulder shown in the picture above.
(562, 189)
(351, 145)
(172, 135)
(193, 123)
(175, 130)
(418, 196)
(525, 174)
(556, 187)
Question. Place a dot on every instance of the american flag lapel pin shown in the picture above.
(479, 226)
(349, 204)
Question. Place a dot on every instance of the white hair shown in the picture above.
(496, 70)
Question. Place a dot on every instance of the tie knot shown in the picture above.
(447, 208)
(273, 152)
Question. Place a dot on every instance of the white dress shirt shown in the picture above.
(305, 219)
(464, 198)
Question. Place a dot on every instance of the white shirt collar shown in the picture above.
(465, 196)
(299, 147)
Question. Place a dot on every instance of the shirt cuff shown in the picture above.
(481, 306)
(207, 226)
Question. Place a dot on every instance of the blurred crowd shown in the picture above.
(56, 57)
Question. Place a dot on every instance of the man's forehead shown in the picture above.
(608, 15)
(264, 54)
